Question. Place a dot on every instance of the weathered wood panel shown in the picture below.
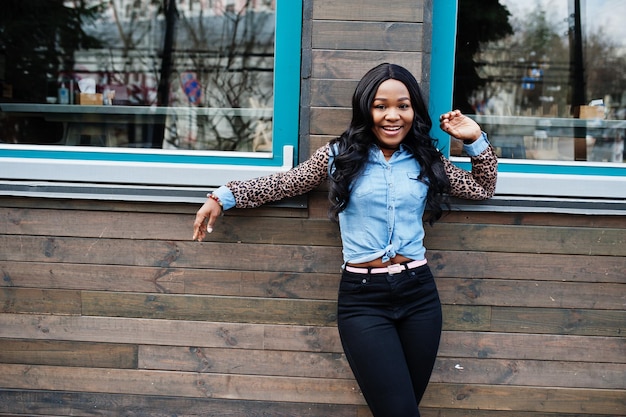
(352, 65)
(63, 353)
(367, 36)
(82, 404)
(407, 11)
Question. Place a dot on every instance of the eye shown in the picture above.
(405, 106)
(379, 107)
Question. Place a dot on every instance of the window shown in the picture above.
(184, 94)
(547, 81)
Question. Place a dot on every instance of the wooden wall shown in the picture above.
(109, 309)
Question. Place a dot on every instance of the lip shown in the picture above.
(391, 130)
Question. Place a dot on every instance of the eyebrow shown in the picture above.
(385, 98)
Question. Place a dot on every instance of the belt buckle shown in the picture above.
(395, 269)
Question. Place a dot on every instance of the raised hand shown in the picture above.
(459, 126)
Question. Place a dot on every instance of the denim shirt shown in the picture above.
(387, 202)
(384, 216)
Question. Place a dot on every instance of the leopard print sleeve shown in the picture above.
(480, 183)
(298, 180)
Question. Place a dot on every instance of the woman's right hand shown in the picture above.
(205, 219)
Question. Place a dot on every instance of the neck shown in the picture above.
(387, 151)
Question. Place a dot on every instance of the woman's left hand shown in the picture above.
(459, 126)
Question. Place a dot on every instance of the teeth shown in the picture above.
(391, 128)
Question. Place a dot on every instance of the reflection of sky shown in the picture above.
(605, 15)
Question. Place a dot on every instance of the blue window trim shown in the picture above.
(442, 66)
(285, 116)
(516, 177)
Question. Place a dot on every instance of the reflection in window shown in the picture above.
(547, 78)
(176, 75)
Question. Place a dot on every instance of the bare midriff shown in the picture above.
(378, 263)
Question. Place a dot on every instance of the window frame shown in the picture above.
(107, 168)
(516, 177)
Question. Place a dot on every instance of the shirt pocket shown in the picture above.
(363, 185)
(417, 187)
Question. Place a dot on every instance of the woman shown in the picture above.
(384, 173)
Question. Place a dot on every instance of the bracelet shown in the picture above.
(216, 198)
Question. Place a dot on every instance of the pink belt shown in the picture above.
(391, 269)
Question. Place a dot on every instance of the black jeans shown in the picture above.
(390, 327)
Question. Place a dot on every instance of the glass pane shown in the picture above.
(545, 78)
(175, 75)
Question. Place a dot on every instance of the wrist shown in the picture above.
(215, 198)
(470, 141)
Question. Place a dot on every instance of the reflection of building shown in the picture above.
(532, 87)
(132, 9)
(226, 46)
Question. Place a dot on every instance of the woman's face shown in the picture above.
(392, 113)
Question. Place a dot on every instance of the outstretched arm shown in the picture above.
(257, 191)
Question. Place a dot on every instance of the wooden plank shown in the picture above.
(529, 399)
(368, 10)
(305, 338)
(447, 412)
(352, 65)
(465, 217)
(530, 373)
(35, 300)
(531, 266)
(527, 239)
(332, 93)
(85, 404)
(534, 219)
(475, 318)
(194, 385)
(181, 384)
(210, 308)
(44, 403)
(168, 254)
(515, 293)
(170, 332)
(329, 121)
(103, 225)
(134, 331)
(367, 36)
(318, 365)
(252, 362)
(559, 321)
(248, 310)
(276, 230)
(136, 207)
(525, 346)
(170, 280)
(62, 353)
(103, 277)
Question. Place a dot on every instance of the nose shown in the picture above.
(392, 114)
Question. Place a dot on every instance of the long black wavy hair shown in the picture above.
(353, 145)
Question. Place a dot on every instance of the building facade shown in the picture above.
(109, 308)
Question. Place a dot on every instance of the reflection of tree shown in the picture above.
(229, 53)
(39, 39)
(605, 68)
(232, 56)
(479, 21)
(540, 45)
